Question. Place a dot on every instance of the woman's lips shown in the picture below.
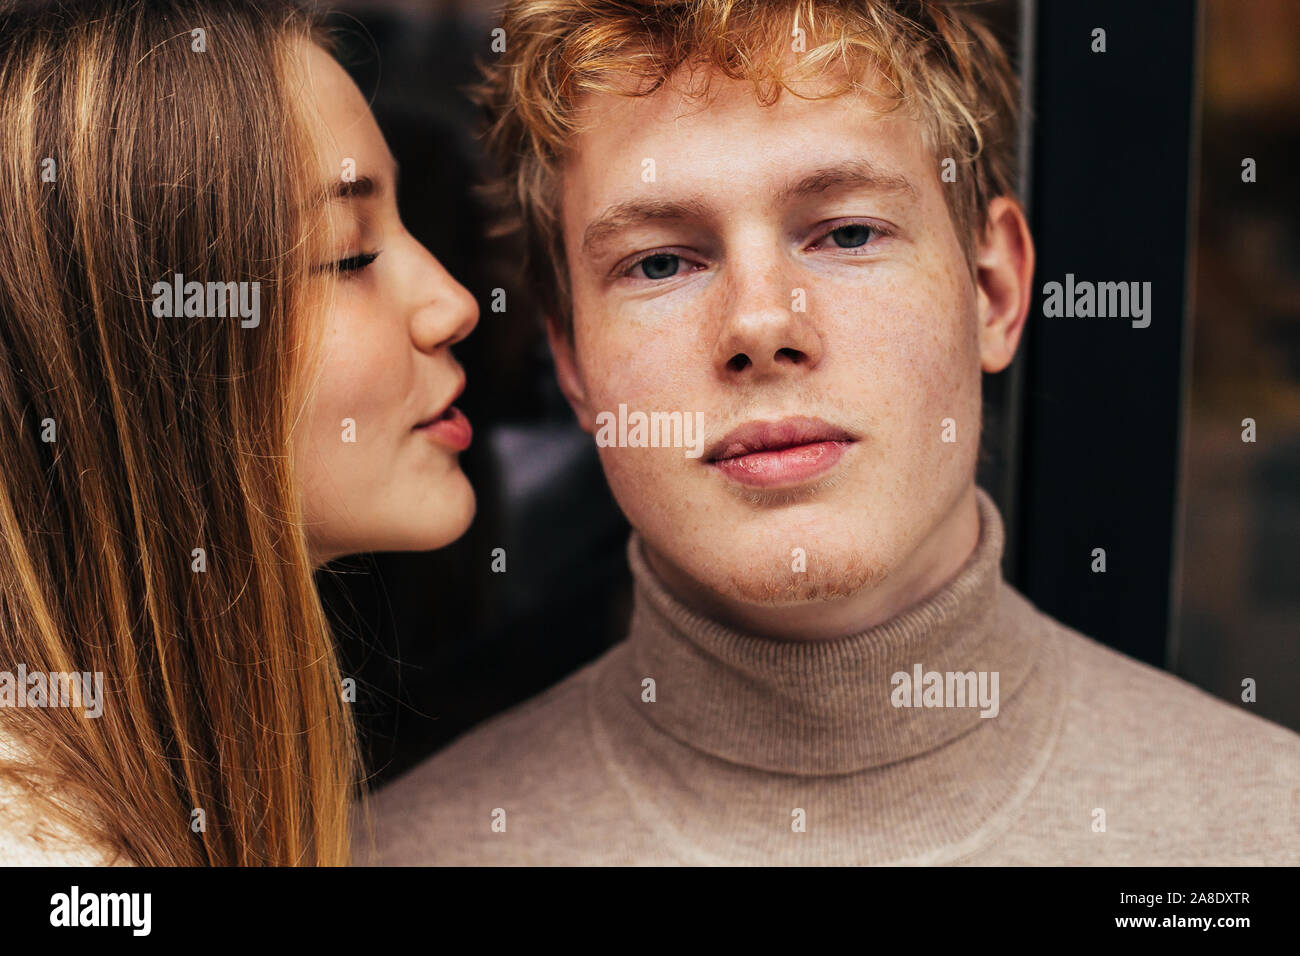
(783, 466)
(451, 428)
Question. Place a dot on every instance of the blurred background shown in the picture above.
(1238, 590)
(1099, 435)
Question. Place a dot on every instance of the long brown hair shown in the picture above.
(149, 525)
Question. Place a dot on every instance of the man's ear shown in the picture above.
(566, 371)
(1004, 272)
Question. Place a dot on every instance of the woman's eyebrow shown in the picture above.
(361, 188)
(364, 187)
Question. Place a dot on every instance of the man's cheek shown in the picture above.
(930, 364)
(645, 481)
(624, 377)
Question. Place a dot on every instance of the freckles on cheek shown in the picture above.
(911, 346)
(348, 388)
(940, 380)
(634, 369)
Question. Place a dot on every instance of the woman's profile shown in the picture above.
(223, 362)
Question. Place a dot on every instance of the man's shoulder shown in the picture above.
(534, 765)
(1173, 773)
(1114, 694)
(514, 744)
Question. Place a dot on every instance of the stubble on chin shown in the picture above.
(840, 577)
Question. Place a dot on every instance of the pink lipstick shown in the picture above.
(451, 428)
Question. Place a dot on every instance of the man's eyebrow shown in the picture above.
(634, 212)
(853, 174)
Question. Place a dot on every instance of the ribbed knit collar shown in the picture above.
(824, 707)
(749, 739)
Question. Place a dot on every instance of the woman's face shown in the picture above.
(376, 452)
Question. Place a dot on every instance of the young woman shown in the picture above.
(223, 362)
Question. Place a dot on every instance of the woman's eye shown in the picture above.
(353, 264)
(851, 236)
(661, 265)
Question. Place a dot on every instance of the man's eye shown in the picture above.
(353, 264)
(661, 265)
(851, 236)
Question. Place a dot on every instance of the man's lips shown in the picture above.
(785, 452)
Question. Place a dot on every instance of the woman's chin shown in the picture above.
(443, 536)
(434, 522)
(430, 528)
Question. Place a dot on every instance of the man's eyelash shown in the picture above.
(877, 233)
(645, 257)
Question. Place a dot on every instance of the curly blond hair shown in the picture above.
(935, 58)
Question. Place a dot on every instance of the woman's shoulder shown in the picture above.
(22, 844)
(29, 834)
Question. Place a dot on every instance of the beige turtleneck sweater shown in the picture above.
(758, 751)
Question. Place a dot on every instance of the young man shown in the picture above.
(798, 231)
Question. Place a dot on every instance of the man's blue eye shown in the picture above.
(848, 237)
(661, 266)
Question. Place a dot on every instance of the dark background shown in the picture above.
(1099, 435)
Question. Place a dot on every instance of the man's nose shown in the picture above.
(765, 326)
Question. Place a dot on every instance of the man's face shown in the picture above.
(791, 271)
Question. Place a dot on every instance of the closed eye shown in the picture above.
(353, 264)
(349, 266)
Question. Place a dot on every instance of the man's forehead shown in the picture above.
(688, 144)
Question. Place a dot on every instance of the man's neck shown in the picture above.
(930, 565)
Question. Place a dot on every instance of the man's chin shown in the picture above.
(789, 579)
(796, 589)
